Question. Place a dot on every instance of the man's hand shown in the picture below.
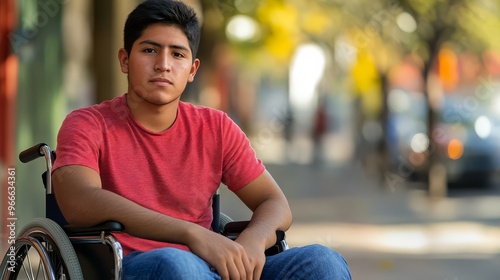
(255, 251)
(230, 258)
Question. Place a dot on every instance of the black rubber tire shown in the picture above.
(55, 242)
(224, 219)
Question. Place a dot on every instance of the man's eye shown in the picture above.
(177, 54)
(149, 50)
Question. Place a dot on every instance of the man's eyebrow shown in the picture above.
(156, 44)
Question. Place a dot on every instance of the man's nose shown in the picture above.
(163, 63)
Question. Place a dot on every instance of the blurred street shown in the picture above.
(385, 233)
(344, 101)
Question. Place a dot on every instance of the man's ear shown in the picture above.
(123, 58)
(194, 69)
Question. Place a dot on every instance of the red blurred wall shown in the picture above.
(8, 78)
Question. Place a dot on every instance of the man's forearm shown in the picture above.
(136, 219)
(270, 210)
(267, 218)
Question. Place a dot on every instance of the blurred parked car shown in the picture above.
(466, 139)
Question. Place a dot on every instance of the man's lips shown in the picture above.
(161, 82)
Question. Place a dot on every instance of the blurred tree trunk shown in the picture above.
(102, 66)
(383, 144)
(38, 43)
(434, 44)
(109, 20)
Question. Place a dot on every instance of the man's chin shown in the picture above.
(158, 97)
(161, 102)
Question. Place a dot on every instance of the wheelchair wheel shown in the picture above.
(224, 219)
(42, 251)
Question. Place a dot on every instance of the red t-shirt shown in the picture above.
(174, 172)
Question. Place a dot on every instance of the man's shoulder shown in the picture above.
(106, 109)
(96, 117)
(200, 111)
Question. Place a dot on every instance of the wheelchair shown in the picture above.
(49, 248)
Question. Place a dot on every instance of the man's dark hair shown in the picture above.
(169, 12)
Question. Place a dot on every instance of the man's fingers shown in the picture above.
(247, 267)
(241, 264)
(222, 271)
(257, 273)
(237, 270)
(234, 264)
(230, 258)
(233, 270)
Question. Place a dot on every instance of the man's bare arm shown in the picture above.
(269, 205)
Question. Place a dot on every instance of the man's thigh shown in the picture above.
(165, 263)
(308, 262)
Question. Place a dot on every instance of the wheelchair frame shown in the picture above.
(77, 253)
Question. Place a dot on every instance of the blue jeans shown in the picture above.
(308, 262)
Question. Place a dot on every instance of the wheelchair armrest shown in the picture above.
(110, 226)
(233, 229)
(280, 245)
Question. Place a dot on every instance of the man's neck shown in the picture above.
(153, 117)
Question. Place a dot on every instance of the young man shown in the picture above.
(152, 162)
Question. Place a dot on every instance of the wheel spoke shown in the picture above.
(30, 267)
(40, 266)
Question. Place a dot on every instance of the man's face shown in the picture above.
(159, 65)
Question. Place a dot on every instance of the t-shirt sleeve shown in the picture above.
(240, 163)
(79, 140)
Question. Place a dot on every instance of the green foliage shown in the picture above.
(284, 24)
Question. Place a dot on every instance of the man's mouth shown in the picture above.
(162, 82)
